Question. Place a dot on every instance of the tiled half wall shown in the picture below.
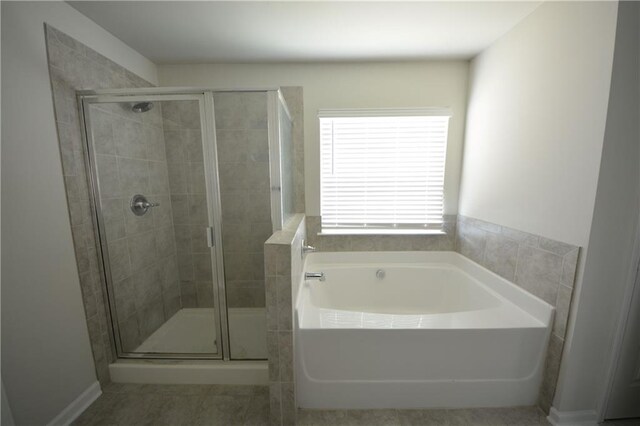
(283, 271)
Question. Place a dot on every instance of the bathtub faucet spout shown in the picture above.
(314, 275)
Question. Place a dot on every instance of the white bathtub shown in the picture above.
(437, 331)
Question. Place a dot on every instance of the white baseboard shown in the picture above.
(81, 403)
(572, 418)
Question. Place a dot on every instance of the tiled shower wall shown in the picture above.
(243, 166)
(183, 140)
(543, 267)
(130, 155)
(73, 66)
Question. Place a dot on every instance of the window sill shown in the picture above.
(371, 232)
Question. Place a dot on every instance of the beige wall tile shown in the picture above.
(282, 265)
(562, 304)
(500, 255)
(569, 267)
(471, 241)
(539, 272)
(543, 266)
(134, 176)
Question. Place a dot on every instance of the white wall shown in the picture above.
(46, 356)
(347, 85)
(535, 133)
(537, 108)
(609, 264)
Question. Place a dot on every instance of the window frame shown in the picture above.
(427, 229)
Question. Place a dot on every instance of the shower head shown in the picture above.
(142, 106)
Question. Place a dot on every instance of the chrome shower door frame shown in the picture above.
(214, 207)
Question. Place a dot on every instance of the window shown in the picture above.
(382, 171)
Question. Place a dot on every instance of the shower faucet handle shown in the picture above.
(139, 205)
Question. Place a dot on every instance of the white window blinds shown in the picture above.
(383, 170)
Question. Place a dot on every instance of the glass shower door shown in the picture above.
(253, 140)
(242, 140)
(155, 195)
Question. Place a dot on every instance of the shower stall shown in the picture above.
(186, 187)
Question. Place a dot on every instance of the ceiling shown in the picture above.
(237, 31)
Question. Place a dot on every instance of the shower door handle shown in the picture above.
(210, 237)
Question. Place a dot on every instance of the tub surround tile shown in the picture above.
(538, 272)
(556, 247)
(569, 267)
(545, 268)
(282, 270)
(284, 302)
(471, 241)
(334, 243)
(285, 351)
(500, 255)
(273, 354)
(562, 310)
(271, 301)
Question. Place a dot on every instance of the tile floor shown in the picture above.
(131, 404)
(529, 416)
(137, 405)
(134, 405)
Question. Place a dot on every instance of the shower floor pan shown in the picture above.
(190, 330)
(193, 330)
